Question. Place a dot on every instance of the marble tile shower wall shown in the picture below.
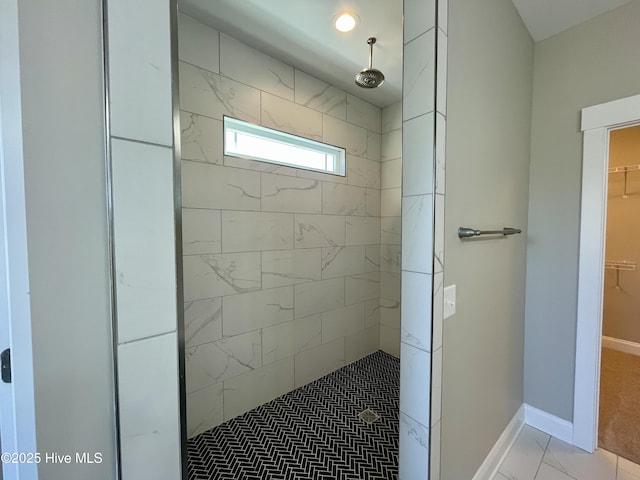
(281, 265)
(390, 234)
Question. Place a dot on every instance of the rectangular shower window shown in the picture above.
(246, 140)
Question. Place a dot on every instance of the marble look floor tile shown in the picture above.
(499, 476)
(547, 472)
(600, 465)
(627, 470)
(523, 460)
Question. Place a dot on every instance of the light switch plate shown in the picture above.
(449, 301)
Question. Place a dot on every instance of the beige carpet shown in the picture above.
(619, 428)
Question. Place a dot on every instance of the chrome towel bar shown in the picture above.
(465, 232)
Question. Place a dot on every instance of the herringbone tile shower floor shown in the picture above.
(311, 433)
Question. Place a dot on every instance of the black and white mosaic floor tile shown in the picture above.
(312, 433)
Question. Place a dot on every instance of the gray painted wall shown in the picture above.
(62, 101)
(489, 112)
(586, 65)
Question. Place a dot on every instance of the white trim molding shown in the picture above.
(597, 122)
(547, 423)
(502, 446)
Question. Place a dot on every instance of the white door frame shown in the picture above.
(597, 122)
(17, 411)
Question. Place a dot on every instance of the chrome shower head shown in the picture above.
(370, 77)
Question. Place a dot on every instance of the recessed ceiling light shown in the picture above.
(346, 21)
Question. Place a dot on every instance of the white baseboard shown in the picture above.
(550, 424)
(490, 465)
(621, 345)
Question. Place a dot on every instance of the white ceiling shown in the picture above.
(301, 33)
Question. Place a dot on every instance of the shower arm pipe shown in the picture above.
(371, 41)
(465, 232)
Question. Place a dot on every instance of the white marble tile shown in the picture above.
(259, 166)
(149, 408)
(441, 81)
(287, 116)
(361, 344)
(251, 231)
(418, 77)
(390, 258)
(374, 146)
(436, 387)
(198, 44)
(443, 15)
(362, 287)
(438, 246)
(438, 305)
(372, 258)
(414, 449)
(441, 140)
(140, 83)
(499, 476)
(390, 340)
(373, 200)
(318, 297)
(204, 409)
(342, 261)
(201, 231)
(627, 470)
(363, 114)
(202, 321)
(342, 322)
(372, 313)
(290, 194)
(391, 202)
(287, 339)
(213, 95)
(391, 174)
(251, 311)
(547, 472)
(390, 314)
(419, 16)
(207, 276)
(318, 95)
(144, 239)
(435, 451)
(201, 138)
(524, 457)
(416, 309)
(343, 199)
(600, 465)
(392, 117)
(323, 177)
(391, 146)
(417, 233)
(212, 363)
(362, 230)
(390, 286)
(290, 267)
(218, 187)
(343, 134)
(318, 361)
(248, 65)
(319, 231)
(391, 230)
(362, 172)
(250, 390)
(415, 381)
(417, 158)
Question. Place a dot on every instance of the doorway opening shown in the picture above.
(619, 407)
(598, 122)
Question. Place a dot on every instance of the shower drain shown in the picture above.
(369, 415)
